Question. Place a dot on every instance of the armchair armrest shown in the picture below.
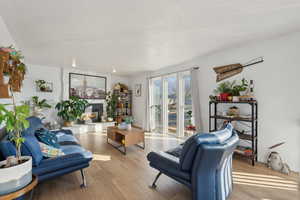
(163, 159)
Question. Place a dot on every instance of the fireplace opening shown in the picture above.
(95, 110)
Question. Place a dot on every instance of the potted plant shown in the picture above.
(39, 105)
(128, 120)
(71, 110)
(224, 90)
(111, 101)
(238, 88)
(15, 172)
(41, 84)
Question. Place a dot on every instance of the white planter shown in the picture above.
(129, 127)
(5, 79)
(235, 98)
(16, 177)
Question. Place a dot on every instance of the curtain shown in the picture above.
(147, 104)
(196, 99)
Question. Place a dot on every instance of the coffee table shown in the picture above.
(125, 138)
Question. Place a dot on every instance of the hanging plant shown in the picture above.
(22, 68)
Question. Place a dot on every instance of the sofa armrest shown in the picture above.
(65, 131)
(163, 159)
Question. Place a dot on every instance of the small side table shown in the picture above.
(22, 191)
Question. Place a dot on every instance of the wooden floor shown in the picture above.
(113, 176)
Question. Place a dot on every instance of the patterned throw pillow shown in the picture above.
(49, 151)
(45, 136)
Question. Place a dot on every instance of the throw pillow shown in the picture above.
(47, 137)
(49, 151)
(31, 147)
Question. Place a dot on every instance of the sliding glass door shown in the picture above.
(171, 82)
(171, 104)
(156, 105)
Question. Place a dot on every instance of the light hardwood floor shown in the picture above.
(113, 176)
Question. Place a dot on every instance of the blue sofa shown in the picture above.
(75, 157)
(204, 164)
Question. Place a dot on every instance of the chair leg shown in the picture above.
(153, 186)
(83, 185)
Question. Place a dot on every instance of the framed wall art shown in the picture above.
(86, 86)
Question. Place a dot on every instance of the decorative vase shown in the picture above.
(15, 177)
(224, 96)
(235, 98)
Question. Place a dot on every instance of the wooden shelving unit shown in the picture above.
(124, 104)
(213, 122)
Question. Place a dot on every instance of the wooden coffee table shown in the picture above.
(125, 138)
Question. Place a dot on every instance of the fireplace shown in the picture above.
(96, 110)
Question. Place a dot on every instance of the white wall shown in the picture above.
(5, 37)
(139, 103)
(119, 79)
(35, 72)
(277, 87)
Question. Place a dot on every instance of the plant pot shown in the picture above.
(224, 96)
(235, 98)
(68, 123)
(15, 177)
(129, 127)
(5, 79)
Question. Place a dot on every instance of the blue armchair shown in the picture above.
(204, 164)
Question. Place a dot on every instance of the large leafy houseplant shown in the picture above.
(111, 101)
(71, 109)
(15, 122)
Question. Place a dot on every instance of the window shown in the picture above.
(171, 104)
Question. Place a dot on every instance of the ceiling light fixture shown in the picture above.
(73, 62)
(114, 71)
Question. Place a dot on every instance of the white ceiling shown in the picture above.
(140, 35)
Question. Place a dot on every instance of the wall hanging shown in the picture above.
(227, 71)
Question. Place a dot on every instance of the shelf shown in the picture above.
(250, 156)
(239, 102)
(245, 136)
(244, 119)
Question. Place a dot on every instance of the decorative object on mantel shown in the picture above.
(138, 90)
(86, 86)
(71, 110)
(43, 86)
(227, 71)
(275, 161)
(12, 68)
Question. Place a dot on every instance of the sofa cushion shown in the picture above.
(31, 148)
(7, 148)
(59, 163)
(35, 124)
